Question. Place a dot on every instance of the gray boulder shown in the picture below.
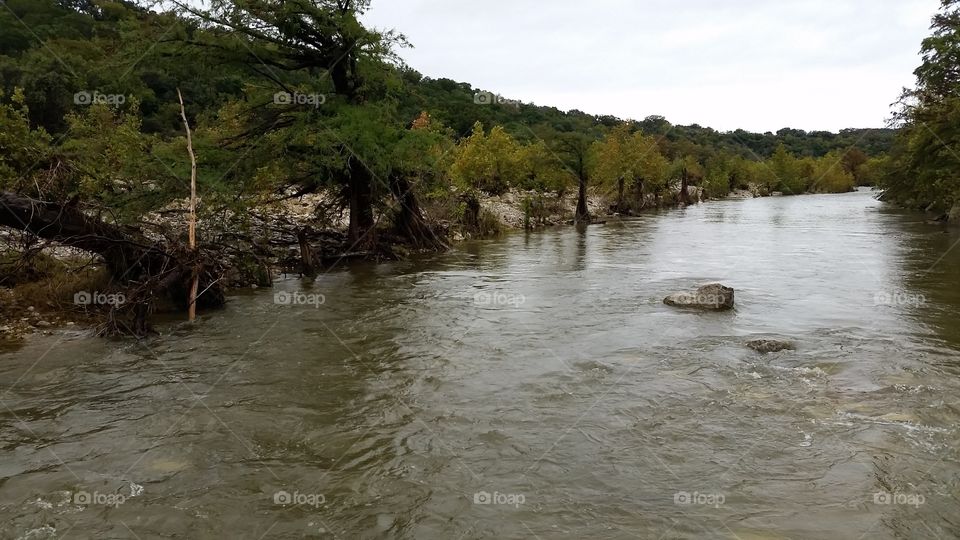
(715, 297)
(764, 346)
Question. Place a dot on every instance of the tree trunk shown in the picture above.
(411, 223)
(129, 257)
(684, 183)
(471, 215)
(307, 260)
(640, 201)
(583, 213)
(361, 206)
(192, 311)
(621, 184)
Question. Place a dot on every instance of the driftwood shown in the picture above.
(128, 256)
(147, 270)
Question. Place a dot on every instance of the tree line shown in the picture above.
(297, 97)
(362, 143)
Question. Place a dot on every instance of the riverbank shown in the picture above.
(44, 296)
(45, 287)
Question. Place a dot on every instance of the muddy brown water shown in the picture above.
(533, 386)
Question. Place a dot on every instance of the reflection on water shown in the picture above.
(534, 386)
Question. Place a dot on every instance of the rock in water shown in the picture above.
(764, 346)
(714, 297)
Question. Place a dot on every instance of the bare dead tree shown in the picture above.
(192, 311)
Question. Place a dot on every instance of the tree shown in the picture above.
(853, 160)
(419, 161)
(786, 168)
(575, 150)
(571, 157)
(688, 170)
(629, 160)
(649, 169)
(924, 171)
(307, 41)
(717, 177)
(874, 171)
(938, 77)
(488, 162)
(149, 269)
(542, 170)
(21, 148)
(611, 165)
(830, 176)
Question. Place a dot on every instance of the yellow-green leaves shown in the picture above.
(630, 158)
(488, 162)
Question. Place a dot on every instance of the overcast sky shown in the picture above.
(760, 65)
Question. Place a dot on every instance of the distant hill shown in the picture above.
(52, 49)
(453, 103)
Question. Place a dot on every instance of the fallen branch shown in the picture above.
(146, 270)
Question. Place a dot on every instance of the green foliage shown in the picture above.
(131, 158)
(542, 170)
(717, 175)
(686, 165)
(611, 162)
(627, 160)
(22, 149)
(453, 103)
(873, 171)
(830, 176)
(853, 161)
(788, 172)
(488, 162)
(743, 172)
(924, 169)
(424, 155)
(113, 163)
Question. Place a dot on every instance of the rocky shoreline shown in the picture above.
(269, 246)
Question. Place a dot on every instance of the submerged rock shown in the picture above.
(764, 346)
(714, 296)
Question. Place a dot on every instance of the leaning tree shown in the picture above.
(331, 123)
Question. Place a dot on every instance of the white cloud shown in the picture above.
(755, 64)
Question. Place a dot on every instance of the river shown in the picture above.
(533, 386)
